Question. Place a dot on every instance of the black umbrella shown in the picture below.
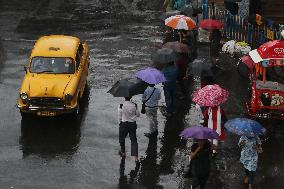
(128, 87)
(164, 56)
(200, 66)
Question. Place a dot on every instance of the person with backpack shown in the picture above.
(127, 115)
(151, 99)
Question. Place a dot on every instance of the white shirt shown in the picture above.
(128, 112)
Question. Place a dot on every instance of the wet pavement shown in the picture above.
(58, 153)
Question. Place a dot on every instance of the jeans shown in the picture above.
(151, 114)
(126, 128)
(169, 92)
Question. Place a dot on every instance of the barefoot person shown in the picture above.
(251, 146)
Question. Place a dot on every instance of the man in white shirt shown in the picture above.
(127, 114)
(152, 96)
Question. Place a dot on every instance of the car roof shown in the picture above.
(56, 46)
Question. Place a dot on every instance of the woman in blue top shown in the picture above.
(251, 146)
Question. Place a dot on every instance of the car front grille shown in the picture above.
(46, 102)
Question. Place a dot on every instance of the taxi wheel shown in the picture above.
(25, 115)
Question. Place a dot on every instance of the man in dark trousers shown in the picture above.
(127, 115)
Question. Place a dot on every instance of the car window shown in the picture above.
(79, 55)
(56, 65)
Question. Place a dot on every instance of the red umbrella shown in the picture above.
(210, 95)
(269, 50)
(211, 24)
(248, 61)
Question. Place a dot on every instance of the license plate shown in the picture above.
(46, 113)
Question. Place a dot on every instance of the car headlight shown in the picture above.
(24, 96)
(68, 97)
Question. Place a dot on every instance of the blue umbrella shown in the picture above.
(245, 126)
(151, 76)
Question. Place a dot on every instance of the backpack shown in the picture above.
(178, 4)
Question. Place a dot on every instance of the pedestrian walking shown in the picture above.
(151, 99)
(251, 147)
(189, 37)
(200, 160)
(214, 118)
(182, 63)
(127, 114)
(215, 39)
(170, 72)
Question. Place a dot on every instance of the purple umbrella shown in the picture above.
(199, 132)
(151, 76)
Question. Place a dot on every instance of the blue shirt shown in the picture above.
(154, 100)
(170, 74)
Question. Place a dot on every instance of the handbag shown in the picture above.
(143, 109)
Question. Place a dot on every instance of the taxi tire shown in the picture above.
(24, 115)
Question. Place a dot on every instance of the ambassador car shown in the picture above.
(55, 78)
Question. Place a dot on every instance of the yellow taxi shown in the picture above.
(55, 78)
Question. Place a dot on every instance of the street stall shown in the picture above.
(267, 81)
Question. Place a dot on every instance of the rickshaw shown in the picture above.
(266, 80)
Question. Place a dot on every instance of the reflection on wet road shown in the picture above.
(58, 153)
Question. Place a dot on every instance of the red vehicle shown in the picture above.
(267, 80)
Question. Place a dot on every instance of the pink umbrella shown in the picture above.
(210, 95)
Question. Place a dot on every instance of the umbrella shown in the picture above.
(128, 87)
(180, 22)
(210, 95)
(200, 66)
(269, 50)
(211, 24)
(164, 56)
(151, 76)
(245, 126)
(177, 46)
(199, 132)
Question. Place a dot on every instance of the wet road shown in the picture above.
(57, 153)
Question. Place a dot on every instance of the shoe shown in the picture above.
(121, 154)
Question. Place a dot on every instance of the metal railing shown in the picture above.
(240, 29)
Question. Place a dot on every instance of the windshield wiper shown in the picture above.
(45, 71)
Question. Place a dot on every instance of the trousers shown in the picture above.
(126, 128)
(151, 114)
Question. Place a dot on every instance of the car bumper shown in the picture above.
(46, 111)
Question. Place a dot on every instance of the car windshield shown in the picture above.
(52, 65)
(275, 74)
